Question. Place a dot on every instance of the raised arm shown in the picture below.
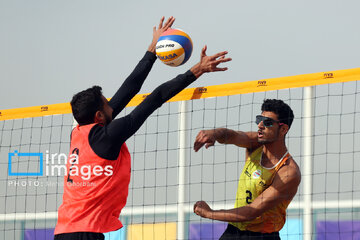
(169, 89)
(135, 80)
(208, 138)
(114, 134)
(283, 188)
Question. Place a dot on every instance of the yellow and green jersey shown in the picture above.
(254, 179)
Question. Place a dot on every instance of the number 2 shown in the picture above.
(249, 197)
(75, 151)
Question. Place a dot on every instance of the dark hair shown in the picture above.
(86, 103)
(281, 109)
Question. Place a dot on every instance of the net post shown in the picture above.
(307, 168)
(181, 174)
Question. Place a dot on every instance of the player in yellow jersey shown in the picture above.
(269, 180)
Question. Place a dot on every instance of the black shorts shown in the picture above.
(233, 232)
(80, 236)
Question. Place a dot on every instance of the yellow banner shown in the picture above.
(263, 85)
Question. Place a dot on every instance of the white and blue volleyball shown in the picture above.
(174, 47)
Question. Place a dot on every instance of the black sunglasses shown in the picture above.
(268, 122)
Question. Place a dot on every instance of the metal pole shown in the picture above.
(307, 169)
(181, 188)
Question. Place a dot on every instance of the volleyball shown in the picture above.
(174, 47)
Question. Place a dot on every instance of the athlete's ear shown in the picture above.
(284, 129)
(99, 117)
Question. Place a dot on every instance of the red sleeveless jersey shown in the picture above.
(95, 189)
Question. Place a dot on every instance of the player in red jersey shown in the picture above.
(97, 183)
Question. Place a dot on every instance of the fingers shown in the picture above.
(204, 137)
(169, 23)
(220, 69)
(198, 142)
(222, 59)
(198, 145)
(197, 207)
(207, 145)
(161, 22)
(203, 51)
(220, 54)
(216, 59)
(201, 208)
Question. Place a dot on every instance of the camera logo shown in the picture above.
(32, 164)
(31, 172)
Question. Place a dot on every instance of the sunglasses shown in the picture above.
(268, 122)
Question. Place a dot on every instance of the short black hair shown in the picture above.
(281, 109)
(86, 103)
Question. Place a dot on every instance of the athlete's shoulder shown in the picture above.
(287, 180)
(290, 172)
(291, 163)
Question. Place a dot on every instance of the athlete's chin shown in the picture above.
(262, 140)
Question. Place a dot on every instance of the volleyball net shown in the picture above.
(168, 177)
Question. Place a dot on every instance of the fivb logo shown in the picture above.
(55, 165)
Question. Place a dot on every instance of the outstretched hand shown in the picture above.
(160, 30)
(204, 137)
(210, 63)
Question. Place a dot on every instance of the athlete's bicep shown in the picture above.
(160, 95)
(119, 130)
(283, 188)
(123, 128)
(106, 141)
(246, 140)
